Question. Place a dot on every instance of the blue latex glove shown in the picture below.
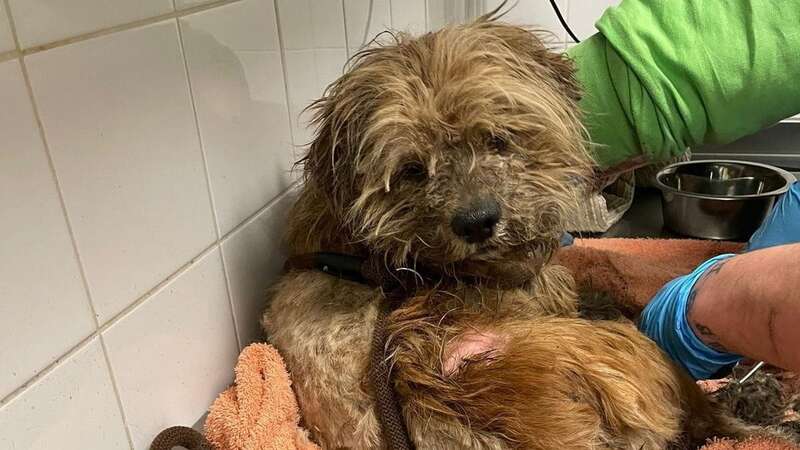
(782, 226)
(664, 321)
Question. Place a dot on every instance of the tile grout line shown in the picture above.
(81, 268)
(47, 370)
(206, 171)
(158, 287)
(229, 292)
(112, 373)
(124, 27)
(346, 39)
(286, 90)
(115, 386)
(252, 217)
(427, 17)
(9, 55)
(74, 243)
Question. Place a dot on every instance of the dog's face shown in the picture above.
(463, 144)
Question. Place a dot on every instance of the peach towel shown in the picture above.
(259, 412)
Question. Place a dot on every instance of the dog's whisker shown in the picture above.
(417, 275)
(423, 241)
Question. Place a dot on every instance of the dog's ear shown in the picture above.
(316, 219)
(330, 164)
(531, 52)
(326, 165)
(337, 157)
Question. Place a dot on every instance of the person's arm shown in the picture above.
(750, 305)
(733, 305)
(662, 76)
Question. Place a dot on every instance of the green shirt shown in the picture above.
(663, 76)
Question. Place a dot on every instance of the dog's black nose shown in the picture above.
(476, 223)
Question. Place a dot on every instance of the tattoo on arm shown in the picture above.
(709, 273)
(708, 337)
(715, 268)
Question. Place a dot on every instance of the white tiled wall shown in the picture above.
(237, 79)
(117, 116)
(35, 247)
(145, 155)
(41, 21)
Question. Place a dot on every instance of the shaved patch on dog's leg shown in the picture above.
(470, 346)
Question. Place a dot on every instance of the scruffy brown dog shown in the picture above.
(460, 151)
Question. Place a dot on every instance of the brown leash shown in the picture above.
(393, 425)
(180, 437)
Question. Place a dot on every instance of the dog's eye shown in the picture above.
(413, 172)
(498, 143)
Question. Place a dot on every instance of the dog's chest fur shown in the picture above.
(322, 325)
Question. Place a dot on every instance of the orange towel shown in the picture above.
(259, 412)
(633, 270)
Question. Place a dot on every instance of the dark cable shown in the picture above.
(563, 22)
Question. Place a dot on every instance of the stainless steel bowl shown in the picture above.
(719, 199)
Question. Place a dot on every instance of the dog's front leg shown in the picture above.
(554, 292)
(322, 326)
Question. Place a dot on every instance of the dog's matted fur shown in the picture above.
(460, 148)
